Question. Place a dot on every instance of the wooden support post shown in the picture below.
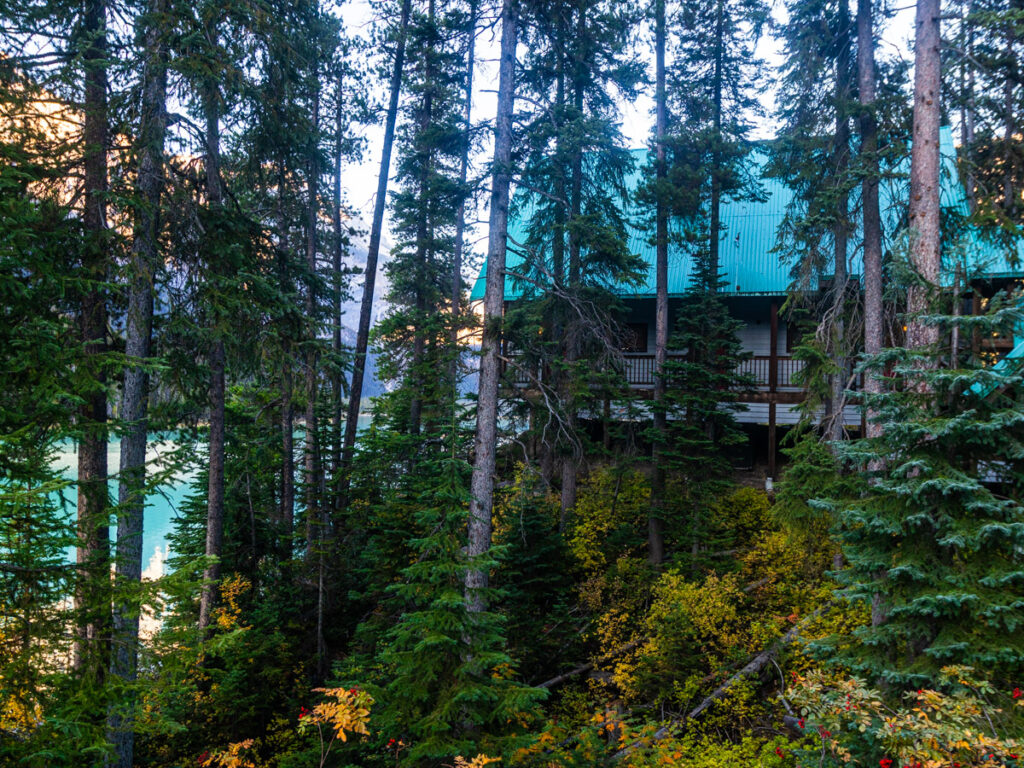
(773, 384)
(975, 335)
(607, 424)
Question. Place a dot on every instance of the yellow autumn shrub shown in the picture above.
(229, 613)
(611, 508)
(744, 514)
(235, 756)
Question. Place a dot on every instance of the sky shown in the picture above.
(360, 180)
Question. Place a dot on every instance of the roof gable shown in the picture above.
(748, 258)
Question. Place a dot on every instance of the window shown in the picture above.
(635, 338)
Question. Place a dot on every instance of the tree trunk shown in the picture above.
(924, 174)
(840, 230)
(1010, 127)
(872, 221)
(145, 260)
(485, 442)
(969, 118)
(337, 382)
(355, 391)
(311, 443)
(215, 479)
(655, 538)
(460, 221)
(287, 449)
(419, 343)
(716, 154)
(287, 414)
(92, 592)
(557, 373)
(315, 520)
(570, 352)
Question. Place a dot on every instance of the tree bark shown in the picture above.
(337, 381)
(145, 259)
(485, 442)
(287, 449)
(460, 220)
(92, 592)
(655, 524)
(215, 475)
(840, 230)
(419, 343)
(355, 392)
(311, 442)
(969, 116)
(316, 522)
(924, 174)
(716, 154)
(1009, 115)
(872, 218)
(556, 373)
(570, 460)
(287, 413)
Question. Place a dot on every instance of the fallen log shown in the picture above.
(582, 668)
(753, 667)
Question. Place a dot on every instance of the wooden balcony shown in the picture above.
(640, 371)
(769, 375)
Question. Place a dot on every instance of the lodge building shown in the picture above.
(757, 277)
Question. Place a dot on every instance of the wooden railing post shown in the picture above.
(773, 382)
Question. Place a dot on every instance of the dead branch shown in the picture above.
(752, 668)
(582, 668)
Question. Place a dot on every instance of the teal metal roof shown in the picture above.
(747, 256)
(1007, 366)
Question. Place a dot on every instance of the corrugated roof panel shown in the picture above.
(747, 258)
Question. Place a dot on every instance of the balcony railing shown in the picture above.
(639, 370)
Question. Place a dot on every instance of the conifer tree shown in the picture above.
(485, 443)
(363, 333)
(711, 82)
(712, 63)
(40, 247)
(982, 81)
(449, 677)
(575, 238)
(813, 156)
(702, 391)
(932, 533)
(417, 335)
(135, 391)
(871, 227)
(211, 101)
(92, 596)
(655, 522)
(923, 214)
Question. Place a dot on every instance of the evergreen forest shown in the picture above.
(485, 425)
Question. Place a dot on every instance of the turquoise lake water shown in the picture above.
(162, 506)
